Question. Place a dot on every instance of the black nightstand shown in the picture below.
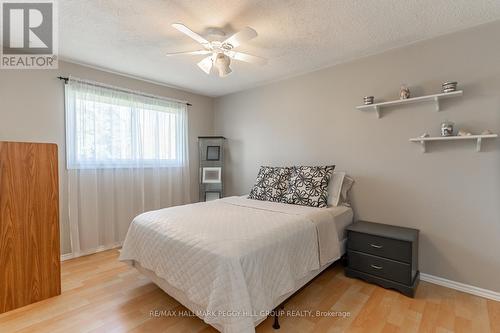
(383, 254)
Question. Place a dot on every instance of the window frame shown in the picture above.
(125, 98)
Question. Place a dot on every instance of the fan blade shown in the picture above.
(246, 57)
(189, 52)
(182, 28)
(206, 65)
(241, 36)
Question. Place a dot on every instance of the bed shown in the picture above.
(232, 261)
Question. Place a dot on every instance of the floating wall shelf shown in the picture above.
(478, 139)
(429, 98)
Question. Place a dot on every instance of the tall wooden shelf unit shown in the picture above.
(29, 224)
(211, 157)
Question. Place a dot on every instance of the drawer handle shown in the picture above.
(376, 267)
(376, 246)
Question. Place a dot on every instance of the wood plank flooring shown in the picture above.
(101, 294)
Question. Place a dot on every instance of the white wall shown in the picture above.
(32, 109)
(452, 193)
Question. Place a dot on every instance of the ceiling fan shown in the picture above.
(219, 51)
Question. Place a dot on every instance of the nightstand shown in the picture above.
(383, 254)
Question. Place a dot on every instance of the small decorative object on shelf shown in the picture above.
(463, 132)
(425, 135)
(486, 132)
(369, 100)
(449, 87)
(447, 128)
(404, 92)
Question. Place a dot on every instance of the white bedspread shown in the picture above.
(233, 257)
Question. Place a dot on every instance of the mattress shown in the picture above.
(234, 254)
(342, 217)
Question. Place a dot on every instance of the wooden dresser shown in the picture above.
(383, 254)
(29, 224)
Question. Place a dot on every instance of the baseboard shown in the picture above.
(466, 288)
(68, 256)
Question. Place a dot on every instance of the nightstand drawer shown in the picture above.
(385, 268)
(380, 246)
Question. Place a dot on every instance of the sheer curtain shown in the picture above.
(127, 153)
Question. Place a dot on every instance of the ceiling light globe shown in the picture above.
(222, 63)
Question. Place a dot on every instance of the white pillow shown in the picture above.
(338, 189)
(335, 188)
(344, 193)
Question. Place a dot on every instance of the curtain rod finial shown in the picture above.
(63, 78)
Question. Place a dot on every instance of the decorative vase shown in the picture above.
(449, 87)
(447, 128)
(369, 100)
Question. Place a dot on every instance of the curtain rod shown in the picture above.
(66, 79)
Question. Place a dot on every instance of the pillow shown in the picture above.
(271, 184)
(335, 188)
(308, 186)
(346, 187)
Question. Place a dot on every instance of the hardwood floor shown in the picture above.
(101, 294)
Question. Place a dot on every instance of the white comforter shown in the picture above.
(233, 255)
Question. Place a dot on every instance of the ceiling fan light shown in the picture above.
(206, 65)
(222, 63)
(224, 71)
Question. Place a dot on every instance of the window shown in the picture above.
(109, 128)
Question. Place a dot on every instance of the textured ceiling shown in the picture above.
(297, 36)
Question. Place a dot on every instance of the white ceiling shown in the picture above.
(297, 36)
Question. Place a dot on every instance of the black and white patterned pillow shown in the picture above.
(308, 186)
(271, 184)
